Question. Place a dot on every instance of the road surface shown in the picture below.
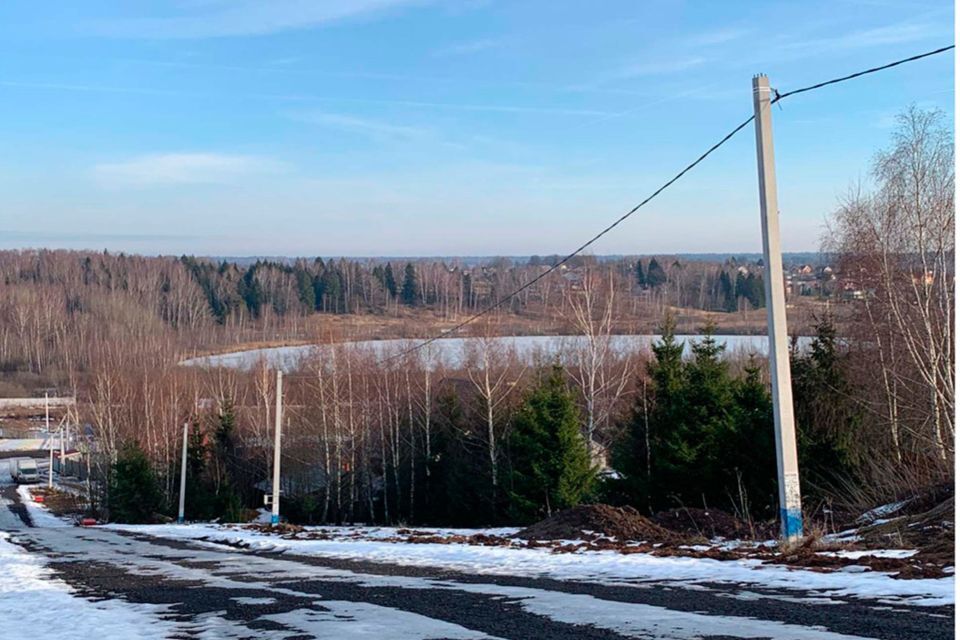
(213, 591)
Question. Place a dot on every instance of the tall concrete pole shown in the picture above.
(275, 514)
(46, 406)
(181, 511)
(791, 514)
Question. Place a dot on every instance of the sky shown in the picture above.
(445, 127)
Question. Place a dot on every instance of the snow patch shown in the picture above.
(605, 567)
(346, 620)
(36, 604)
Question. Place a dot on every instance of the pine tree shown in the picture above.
(410, 292)
(551, 467)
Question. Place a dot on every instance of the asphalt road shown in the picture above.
(217, 591)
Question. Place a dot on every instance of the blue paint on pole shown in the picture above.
(274, 519)
(791, 523)
(179, 520)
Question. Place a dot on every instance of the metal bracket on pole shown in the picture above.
(791, 514)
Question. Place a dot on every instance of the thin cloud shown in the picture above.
(182, 169)
(370, 128)
(715, 37)
(414, 104)
(659, 67)
(247, 18)
(867, 38)
(469, 48)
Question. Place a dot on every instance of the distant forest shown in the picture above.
(189, 291)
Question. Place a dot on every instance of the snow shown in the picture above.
(606, 567)
(252, 601)
(346, 620)
(874, 515)
(39, 514)
(34, 603)
(877, 553)
(643, 620)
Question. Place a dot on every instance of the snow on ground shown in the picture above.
(607, 567)
(35, 604)
(345, 620)
(874, 515)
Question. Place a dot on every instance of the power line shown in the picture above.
(570, 256)
(820, 85)
(778, 97)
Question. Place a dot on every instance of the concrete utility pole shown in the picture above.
(791, 515)
(181, 511)
(275, 514)
(46, 405)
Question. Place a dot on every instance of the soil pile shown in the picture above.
(589, 522)
(712, 523)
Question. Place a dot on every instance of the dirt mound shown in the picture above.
(588, 522)
(712, 524)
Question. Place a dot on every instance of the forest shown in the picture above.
(398, 438)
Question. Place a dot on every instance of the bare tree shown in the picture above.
(897, 249)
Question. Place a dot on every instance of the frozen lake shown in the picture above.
(451, 352)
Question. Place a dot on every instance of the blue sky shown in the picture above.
(472, 127)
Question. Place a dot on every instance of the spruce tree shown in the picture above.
(641, 276)
(827, 413)
(551, 466)
(410, 292)
(389, 281)
(727, 298)
(656, 276)
(134, 495)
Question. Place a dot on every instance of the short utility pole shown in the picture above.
(275, 514)
(791, 514)
(46, 406)
(183, 478)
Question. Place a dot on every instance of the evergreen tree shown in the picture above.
(410, 291)
(750, 455)
(201, 501)
(459, 477)
(251, 291)
(305, 290)
(134, 496)
(740, 289)
(827, 414)
(754, 291)
(551, 467)
(656, 276)
(229, 503)
(700, 437)
(727, 298)
(389, 281)
(641, 276)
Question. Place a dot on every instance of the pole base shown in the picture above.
(274, 519)
(791, 524)
(179, 520)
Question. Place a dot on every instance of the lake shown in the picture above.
(450, 352)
